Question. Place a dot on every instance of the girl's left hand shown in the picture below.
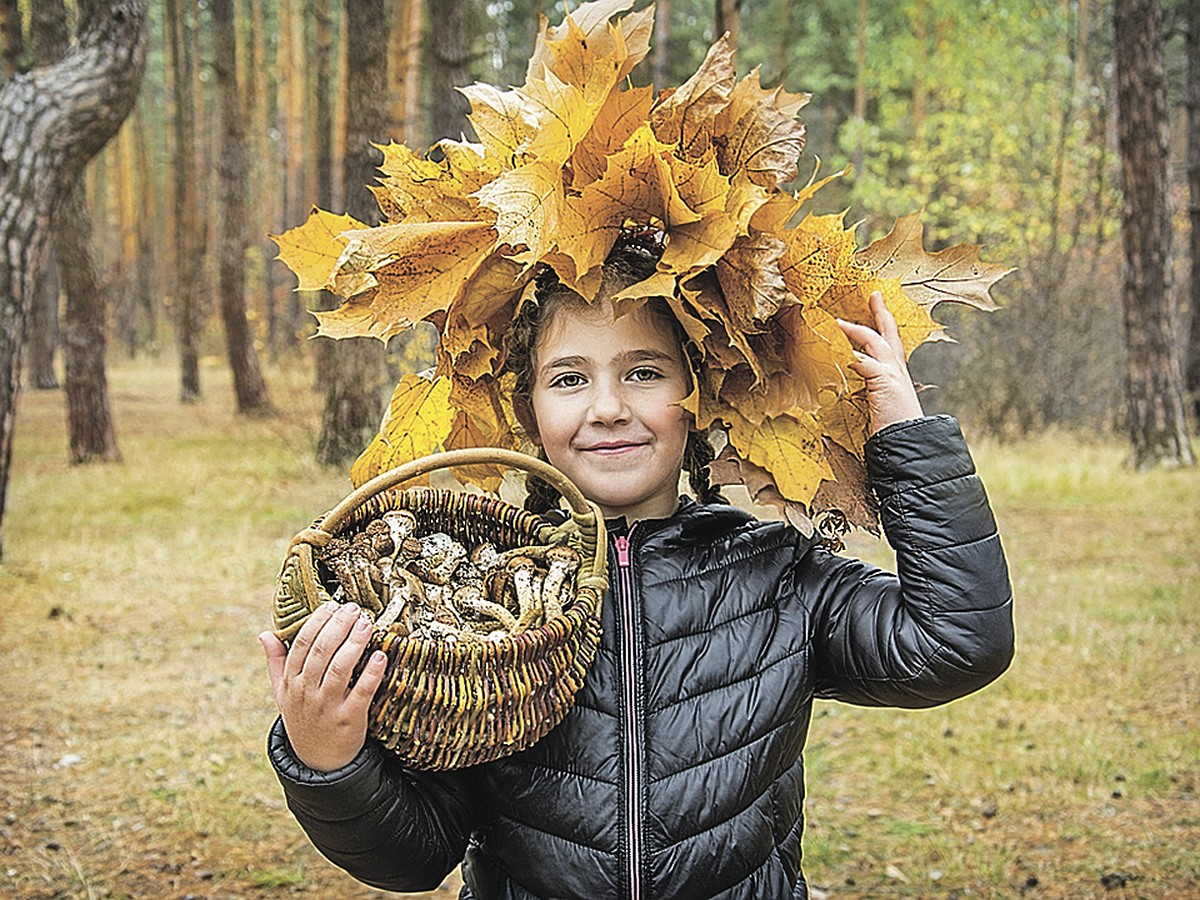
(879, 359)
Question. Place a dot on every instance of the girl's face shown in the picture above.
(605, 399)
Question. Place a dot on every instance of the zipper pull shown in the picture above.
(622, 543)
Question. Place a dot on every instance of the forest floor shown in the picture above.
(135, 701)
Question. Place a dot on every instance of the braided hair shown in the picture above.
(633, 258)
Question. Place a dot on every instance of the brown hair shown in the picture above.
(633, 258)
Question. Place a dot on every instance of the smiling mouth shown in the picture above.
(613, 449)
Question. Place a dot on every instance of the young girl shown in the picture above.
(678, 772)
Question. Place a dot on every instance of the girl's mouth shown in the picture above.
(614, 448)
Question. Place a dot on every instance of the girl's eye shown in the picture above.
(645, 373)
(567, 380)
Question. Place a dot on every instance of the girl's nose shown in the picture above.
(608, 405)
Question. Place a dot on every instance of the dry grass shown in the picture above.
(135, 703)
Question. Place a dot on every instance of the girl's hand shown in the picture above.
(879, 358)
(325, 718)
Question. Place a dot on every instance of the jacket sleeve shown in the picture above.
(388, 826)
(941, 627)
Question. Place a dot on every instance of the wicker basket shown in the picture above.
(448, 705)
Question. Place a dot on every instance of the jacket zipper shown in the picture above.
(629, 687)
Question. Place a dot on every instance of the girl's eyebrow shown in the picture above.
(629, 356)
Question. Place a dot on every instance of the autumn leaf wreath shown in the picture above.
(562, 166)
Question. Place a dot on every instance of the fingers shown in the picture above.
(276, 654)
(347, 654)
(368, 682)
(885, 324)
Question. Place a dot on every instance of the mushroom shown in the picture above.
(529, 590)
(563, 562)
(440, 556)
(470, 597)
(401, 524)
(405, 594)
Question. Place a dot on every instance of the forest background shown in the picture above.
(997, 117)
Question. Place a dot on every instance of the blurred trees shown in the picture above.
(997, 117)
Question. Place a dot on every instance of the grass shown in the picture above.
(135, 701)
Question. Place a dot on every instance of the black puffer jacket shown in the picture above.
(679, 773)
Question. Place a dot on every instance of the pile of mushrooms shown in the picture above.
(432, 586)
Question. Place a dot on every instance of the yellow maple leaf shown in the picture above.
(789, 448)
(312, 250)
(419, 269)
(417, 423)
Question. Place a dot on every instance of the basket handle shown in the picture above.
(471, 456)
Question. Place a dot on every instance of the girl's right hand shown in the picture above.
(325, 717)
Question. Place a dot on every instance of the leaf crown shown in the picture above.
(568, 163)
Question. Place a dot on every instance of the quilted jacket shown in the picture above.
(679, 771)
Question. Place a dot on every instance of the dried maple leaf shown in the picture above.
(956, 274)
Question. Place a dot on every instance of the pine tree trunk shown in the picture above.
(72, 107)
(186, 201)
(1154, 383)
(405, 38)
(449, 69)
(11, 36)
(1192, 374)
(43, 337)
(355, 381)
(729, 19)
(49, 39)
(89, 417)
(249, 388)
(661, 60)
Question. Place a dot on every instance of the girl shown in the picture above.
(678, 772)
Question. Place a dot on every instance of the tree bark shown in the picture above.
(49, 39)
(186, 201)
(11, 36)
(91, 433)
(89, 416)
(52, 121)
(1192, 373)
(249, 388)
(405, 39)
(449, 70)
(660, 58)
(355, 380)
(1154, 383)
(729, 20)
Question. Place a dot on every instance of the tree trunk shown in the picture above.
(11, 36)
(52, 121)
(91, 433)
(729, 19)
(1154, 383)
(404, 69)
(1192, 376)
(43, 334)
(249, 388)
(187, 249)
(355, 381)
(660, 58)
(49, 39)
(89, 418)
(448, 70)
